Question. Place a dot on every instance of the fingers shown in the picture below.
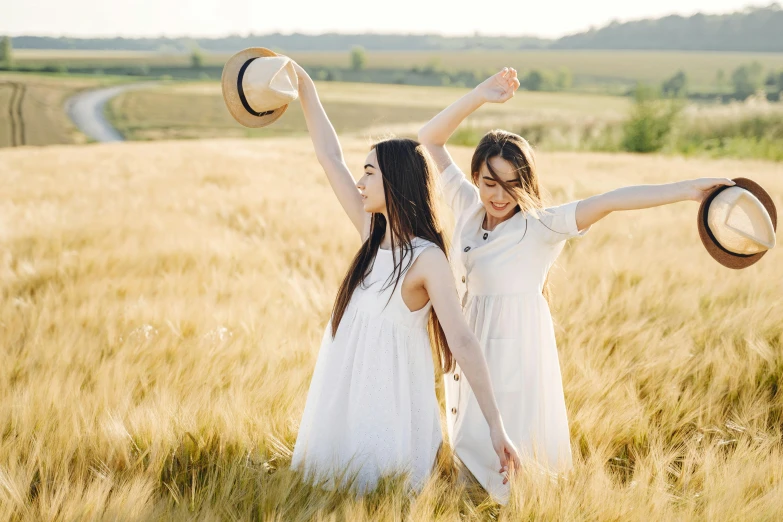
(719, 182)
(515, 464)
(503, 459)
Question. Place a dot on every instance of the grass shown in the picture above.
(741, 130)
(552, 121)
(192, 110)
(587, 66)
(162, 305)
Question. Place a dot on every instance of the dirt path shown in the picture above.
(86, 111)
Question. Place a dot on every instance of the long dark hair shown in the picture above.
(409, 188)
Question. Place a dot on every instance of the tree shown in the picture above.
(433, 66)
(747, 79)
(676, 86)
(564, 79)
(537, 80)
(358, 58)
(6, 52)
(777, 85)
(196, 58)
(772, 79)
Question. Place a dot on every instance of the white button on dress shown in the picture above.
(371, 409)
(500, 277)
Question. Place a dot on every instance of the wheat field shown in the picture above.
(162, 306)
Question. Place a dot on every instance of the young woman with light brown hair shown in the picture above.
(505, 241)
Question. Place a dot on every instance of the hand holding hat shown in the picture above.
(258, 84)
(737, 223)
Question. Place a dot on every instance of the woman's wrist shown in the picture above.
(478, 96)
(684, 190)
(495, 422)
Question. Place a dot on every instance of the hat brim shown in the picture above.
(231, 92)
(720, 254)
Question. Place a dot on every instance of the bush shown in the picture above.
(537, 80)
(139, 70)
(676, 86)
(196, 59)
(747, 79)
(650, 122)
(358, 58)
(59, 69)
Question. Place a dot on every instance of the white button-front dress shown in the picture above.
(500, 276)
(371, 409)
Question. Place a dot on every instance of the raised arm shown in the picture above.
(328, 151)
(594, 208)
(434, 135)
(438, 281)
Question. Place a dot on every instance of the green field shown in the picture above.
(197, 110)
(588, 67)
(549, 120)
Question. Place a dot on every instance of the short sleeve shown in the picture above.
(459, 193)
(559, 223)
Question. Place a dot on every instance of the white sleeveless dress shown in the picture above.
(500, 275)
(371, 409)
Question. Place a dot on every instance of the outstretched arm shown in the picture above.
(594, 208)
(434, 135)
(438, 281)
(329, 152)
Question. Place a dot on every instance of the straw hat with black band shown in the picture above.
(258, 84)
(737, 223)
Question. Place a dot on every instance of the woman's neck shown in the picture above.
(387, 236)
(491, 222)
(386, 242)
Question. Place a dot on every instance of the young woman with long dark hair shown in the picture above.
(371, 409)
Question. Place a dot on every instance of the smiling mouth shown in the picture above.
(498, 207)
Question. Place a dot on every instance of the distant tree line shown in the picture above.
(752, 29)
(746, 80)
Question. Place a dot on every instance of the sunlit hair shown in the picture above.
(517, 151)
(410, 190)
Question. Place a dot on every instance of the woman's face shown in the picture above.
(497, 202)
(371, 185)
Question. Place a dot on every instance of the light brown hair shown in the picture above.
(517, 151)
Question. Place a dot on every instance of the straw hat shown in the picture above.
(258, 84)
(737, 223)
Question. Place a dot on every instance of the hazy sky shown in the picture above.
(546, 18)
